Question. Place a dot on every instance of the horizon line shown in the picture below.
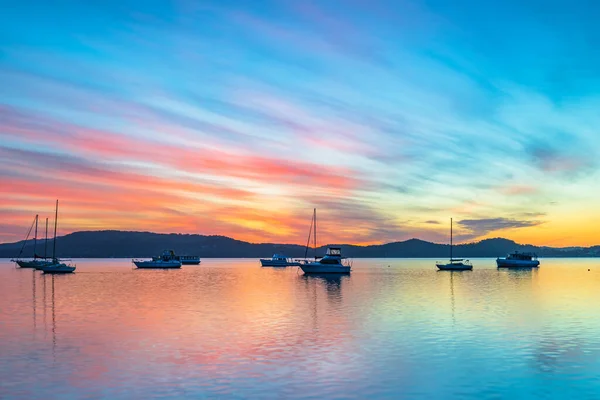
(303, 245)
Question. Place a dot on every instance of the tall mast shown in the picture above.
(309, 234)
(46, 241)
(315, 232)
(55, 223)
(35, 238)
(450, 239)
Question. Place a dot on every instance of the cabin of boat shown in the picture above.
(331, 263)
(278, 260)
(518, 260)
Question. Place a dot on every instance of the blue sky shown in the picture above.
(238, 118)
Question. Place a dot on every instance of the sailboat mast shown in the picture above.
(35, 238)
(450, 239)
(315, 232)
(46, 241)
(55, 223)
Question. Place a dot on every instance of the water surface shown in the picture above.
(231, 329)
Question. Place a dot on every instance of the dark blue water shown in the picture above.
(231, 329)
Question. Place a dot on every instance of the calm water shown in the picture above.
(231, 329)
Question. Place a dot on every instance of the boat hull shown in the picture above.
(157, 264)
(190, 262)
(276, 263)
(454, 267)
(504, 263)
(57, 269)
(32, 263)
(317, 268)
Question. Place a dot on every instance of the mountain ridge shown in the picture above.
(128, 244)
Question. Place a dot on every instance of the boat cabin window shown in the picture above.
(334, 251)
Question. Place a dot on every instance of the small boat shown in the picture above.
(168, 259)
(279, 260)
(455, 264)
(185, 260)
(189, 260)
(331, 263)
(56, 266)
(36, 261)
(518, 260)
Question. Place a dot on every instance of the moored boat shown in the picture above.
(331, 263)
(454, 264)
(56, 266)
(279, 260)
(185, 260)
(518, 260)
(167, 259)
(189, 260)
(36, 261)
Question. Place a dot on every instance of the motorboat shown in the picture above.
(189, 260)
(331, 263)
(279, 260)
(454, 264)
(185, 260)
(166, 260)
(518, 260)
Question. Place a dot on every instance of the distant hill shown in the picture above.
(102, 244)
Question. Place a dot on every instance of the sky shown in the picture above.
(238, 118)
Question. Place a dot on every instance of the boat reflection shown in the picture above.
(53, 310)
(331, 282)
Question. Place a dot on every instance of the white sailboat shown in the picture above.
(331, 263)
(455, 264)
(56, 266)
(37, 261)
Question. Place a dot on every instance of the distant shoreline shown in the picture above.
(126, 244)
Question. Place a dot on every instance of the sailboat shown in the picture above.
(455, 264)
(55, 266)
(37, 261)
(331, 263)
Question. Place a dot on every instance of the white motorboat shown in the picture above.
(454, 264)
(279, 260)
(331, 263)
(518, 260)
(168, 259)
(185, 260)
